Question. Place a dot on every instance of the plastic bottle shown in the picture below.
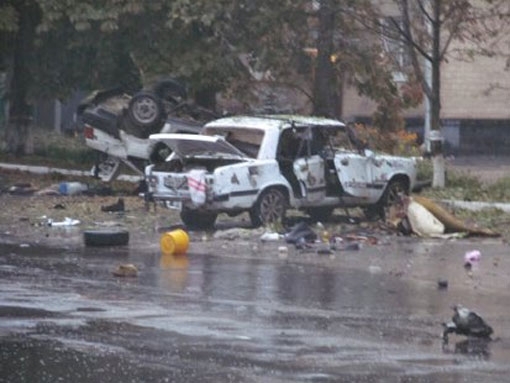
(71, 188)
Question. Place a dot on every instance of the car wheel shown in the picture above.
(198, 220)
(146, 111)
(106, 237)
(391, 197)
(320, 214)
(270, 207)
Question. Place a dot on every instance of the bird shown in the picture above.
(468, 323)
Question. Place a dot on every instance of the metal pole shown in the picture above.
(428, 79)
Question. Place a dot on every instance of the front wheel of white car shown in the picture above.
(198, 220)
(392, 196)
(270, 207)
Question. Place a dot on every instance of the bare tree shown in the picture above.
(428, 28)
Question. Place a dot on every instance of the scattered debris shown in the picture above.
(422, 221)
(174, 242)
(72, 188)
(283, 251)
(102, 237)
(116, 207)
(126, 270)
(425, 218)
(22, 189)
(66, 222)
(300, 233)
(50, 190)
(372, 269)
(233, 234)
(452, 224)
(472, 256)
(269, 236)
(468, 323)
(442, 284)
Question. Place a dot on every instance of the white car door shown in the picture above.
(355, 174)
(310, 174)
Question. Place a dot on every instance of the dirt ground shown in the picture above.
(24, 218)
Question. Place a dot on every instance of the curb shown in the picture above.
(48, 169)
(477, 205)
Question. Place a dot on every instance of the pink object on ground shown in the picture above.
(472, 256)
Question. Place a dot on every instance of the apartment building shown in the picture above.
(475, 102)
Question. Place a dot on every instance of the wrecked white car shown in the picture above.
(266, 165)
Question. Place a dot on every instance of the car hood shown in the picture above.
(188, 145)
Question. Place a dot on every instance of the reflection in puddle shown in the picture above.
(174, 271)
(478, 348)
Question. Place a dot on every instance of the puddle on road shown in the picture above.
(275, 311)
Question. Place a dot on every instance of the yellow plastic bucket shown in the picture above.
(174, 242)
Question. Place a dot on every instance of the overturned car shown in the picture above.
(268, 164)
(117, 124)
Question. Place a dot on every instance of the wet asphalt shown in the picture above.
(233, 312)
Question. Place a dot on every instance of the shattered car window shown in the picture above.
(247, 141)
(339, 139)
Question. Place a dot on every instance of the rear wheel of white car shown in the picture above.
(147, 111)
(198, 220)
(270, 207)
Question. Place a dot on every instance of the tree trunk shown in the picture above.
(325, 100)
(18, 133)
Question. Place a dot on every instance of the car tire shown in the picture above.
(396, 187)
(146, 110)
(106, 237)
(198, 220)
(320, 214)
(271, 207)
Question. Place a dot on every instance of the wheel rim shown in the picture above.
(145, 110)
(272, 207)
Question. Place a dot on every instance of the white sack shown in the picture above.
(423, 222)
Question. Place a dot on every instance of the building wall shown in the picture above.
(475, 106)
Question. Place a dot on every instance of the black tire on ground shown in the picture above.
(198, 220)
(106, 237)
(146, 110)
(270, 207)
(320, 214)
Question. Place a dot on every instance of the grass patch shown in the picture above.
(56, 150)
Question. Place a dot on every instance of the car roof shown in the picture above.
(279, 121)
